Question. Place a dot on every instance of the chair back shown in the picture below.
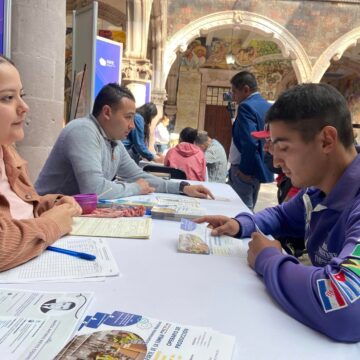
(173, 173)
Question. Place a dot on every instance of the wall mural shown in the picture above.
(350, 88)
(261, 57)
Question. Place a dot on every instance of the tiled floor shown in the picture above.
(267, 196)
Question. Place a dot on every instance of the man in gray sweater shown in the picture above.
(215, 156)
(88, 155)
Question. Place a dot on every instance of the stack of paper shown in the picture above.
(119, 334)
(196, 239)
(176, 208)
(36, 325)
(52, 266)
(137, 228)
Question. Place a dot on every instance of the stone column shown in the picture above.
(136, 68)
(138, 17)
(38, 50)
(172, 87)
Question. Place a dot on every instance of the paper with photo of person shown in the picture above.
(37, 324)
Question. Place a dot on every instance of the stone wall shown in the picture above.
(188, 99)
(38, 48)
(321, 21)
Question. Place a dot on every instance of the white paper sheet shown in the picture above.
(52, 266)
(137, 228)
(36, 325)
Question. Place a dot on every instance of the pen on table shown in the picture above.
(80, 255)
(105, 192)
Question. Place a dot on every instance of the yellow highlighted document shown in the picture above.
(137, 228)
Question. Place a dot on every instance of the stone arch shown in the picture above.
(289, 45)
(334, 52)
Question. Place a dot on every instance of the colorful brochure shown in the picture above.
(196, 239)
(122, 335)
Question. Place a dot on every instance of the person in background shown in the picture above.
(137, 142)
(88, 155)
(312, 141)
(162, 135)
(248, 169)
(286, 190)
(28, 222)
(187, 156)
(215, 156)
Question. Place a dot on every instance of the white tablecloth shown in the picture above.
(214, 291)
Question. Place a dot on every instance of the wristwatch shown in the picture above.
(182, 185)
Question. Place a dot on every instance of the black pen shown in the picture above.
(78, 254)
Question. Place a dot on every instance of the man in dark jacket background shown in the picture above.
(248, 169)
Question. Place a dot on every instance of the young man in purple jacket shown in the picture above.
(312, 141)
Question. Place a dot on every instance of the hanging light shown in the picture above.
(230, 58)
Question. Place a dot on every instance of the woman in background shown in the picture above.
(28, 222)
(137, 141)
(162, 135)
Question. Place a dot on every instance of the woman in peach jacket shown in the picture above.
(28, 222)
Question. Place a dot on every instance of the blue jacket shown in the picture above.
(325, 296)
(135, 140)
(250, 117)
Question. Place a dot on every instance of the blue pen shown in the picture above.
(80, 255)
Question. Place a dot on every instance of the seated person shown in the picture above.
(137, 141)
(88, 155)
(215, 156)
(28, 222)
(312, 141)
(187, 156)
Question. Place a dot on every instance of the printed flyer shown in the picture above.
(36, 325)
(127, 336)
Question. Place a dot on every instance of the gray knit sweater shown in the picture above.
(83, 161)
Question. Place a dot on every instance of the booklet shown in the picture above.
(37, 324)
(120, 335)
(136, 228)
(176, 212)
(176, 207)
(196, 239)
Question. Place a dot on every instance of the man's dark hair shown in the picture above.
(308, 108)
(243, 78)
(111, 95)
(148, 111)
(188, 135)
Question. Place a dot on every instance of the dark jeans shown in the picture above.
(160, 148)
(248, 191)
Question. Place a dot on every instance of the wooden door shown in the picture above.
(218, 125)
